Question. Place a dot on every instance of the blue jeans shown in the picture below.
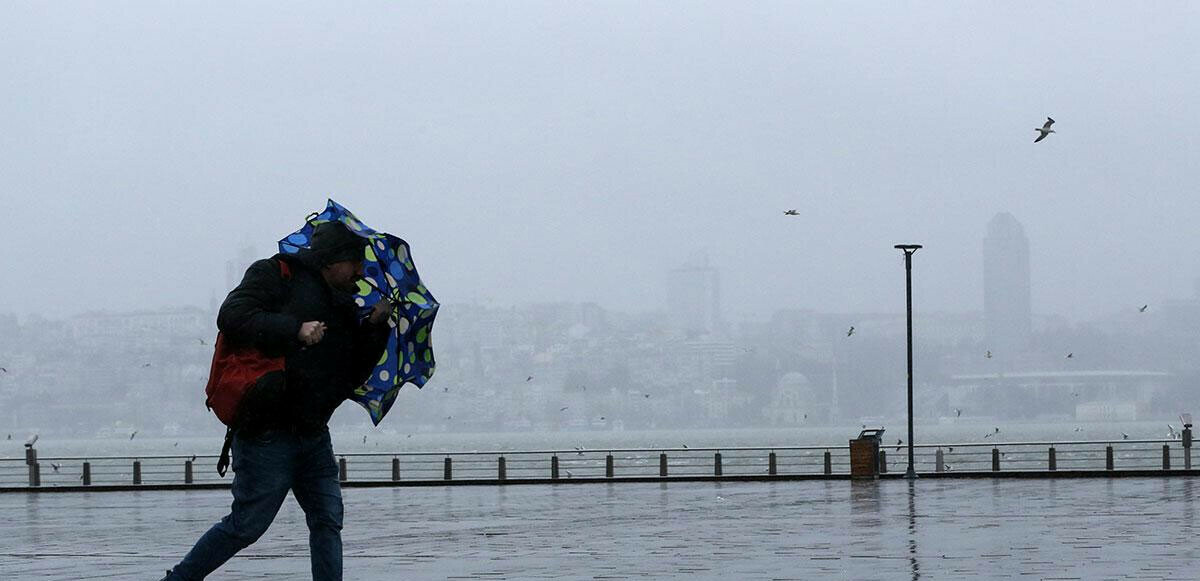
(265, 467)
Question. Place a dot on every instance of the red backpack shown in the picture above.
(234, 371)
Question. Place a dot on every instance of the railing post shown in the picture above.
(717, 464)
(1187, 447)
(1166, 457)
(187, 471)
(554, 467)
(395, 469)
(771, 464)
(662, 465)
(446, 473)
(342, 472)
(1108, 458)
(995, 459)
(940, 459)
(501, 469)
(87, 473)
(1053, 460)
(883, 462)
(137, 471)
(608, 466)
(35, 475)
(828, 463)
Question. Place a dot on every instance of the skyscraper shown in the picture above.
(1008, 316)
(694, 296)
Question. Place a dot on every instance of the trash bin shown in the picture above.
(864, 454)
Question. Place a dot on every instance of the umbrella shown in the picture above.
(389, 272)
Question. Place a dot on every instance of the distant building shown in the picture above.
(1006, 294)
(694, 297)
(235, 268)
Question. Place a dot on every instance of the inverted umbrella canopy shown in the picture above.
(389, 272)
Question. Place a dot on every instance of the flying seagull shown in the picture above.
(988, 354)
(1143, 308)
(850, 331)
(957, 413)
(528, 379)
(133, 434)
(1071, 355)
(1124, 436)
(791, 213)
(1044, 130)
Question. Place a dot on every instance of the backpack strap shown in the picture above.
(223, 461)
(284, 270)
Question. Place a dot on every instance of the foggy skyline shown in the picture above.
(578, 152)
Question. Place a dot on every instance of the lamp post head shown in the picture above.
(908, 247)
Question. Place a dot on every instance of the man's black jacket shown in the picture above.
(266, 311)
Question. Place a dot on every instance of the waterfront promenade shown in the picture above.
(939, 528)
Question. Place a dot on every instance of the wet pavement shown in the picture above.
(1091, 528)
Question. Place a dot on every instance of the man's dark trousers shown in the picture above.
(265, 467)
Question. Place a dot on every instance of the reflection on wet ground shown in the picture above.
(933, 529)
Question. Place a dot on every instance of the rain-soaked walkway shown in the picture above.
(1092, 528)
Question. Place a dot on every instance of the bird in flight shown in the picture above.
(133, 434)
(55, 466)
(791, 213)
(957, 413)
(988, 354)
(563, 408)
(529, 379)
(1071, 355)
(4, 369)
(1124, 436)
(1044, 130)
(850, 331)
(898, 444)
(1143, 308)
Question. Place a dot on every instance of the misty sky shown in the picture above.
(577, 151)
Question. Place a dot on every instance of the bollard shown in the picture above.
(1166, 457)
(995, 459)
(1053, 460)
(940, 458)
(1108, 458)
(828, 463)
(502, 473)
(717, 464)
(882, 462)
(30, 455)
(608, 466)
(771, 463)
(662, 465)
(342, 469)
(187, 471)
(446, 469)
(137, 471)
(395, 469)
(35, 474)
(554, 468)
(87, 473)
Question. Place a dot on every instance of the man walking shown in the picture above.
(300, 307)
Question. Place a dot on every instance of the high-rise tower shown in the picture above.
(1008, 315)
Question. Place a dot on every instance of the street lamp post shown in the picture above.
(908, 250)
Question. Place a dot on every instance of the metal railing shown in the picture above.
(627, 464)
